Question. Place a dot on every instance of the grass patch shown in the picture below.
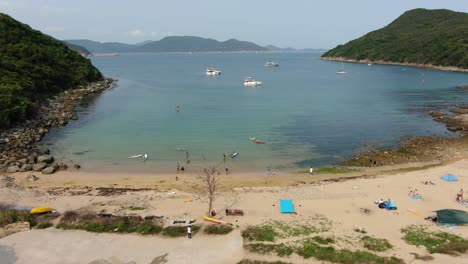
(329, 253)
(136, 208)
(281, 250)
(293, 229)
(218, 229)
(179, 231)
(410, 169)
(249, 261)
(424, 257)
(121, 224)
(376, 244)
(260, 233)
(435, 242)
(323, 241)
(8, 216)
(44, 225)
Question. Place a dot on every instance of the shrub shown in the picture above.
(376, 244)
(218, 229)
(260, 233)
(44, 225)
(435, 242)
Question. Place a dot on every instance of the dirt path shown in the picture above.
(84, 247)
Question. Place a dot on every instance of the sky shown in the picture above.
(293, 23)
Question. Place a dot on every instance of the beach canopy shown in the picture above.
(287, 206)
(391, 205)
(452, 216)
(449, 177)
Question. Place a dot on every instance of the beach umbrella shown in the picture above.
(449, 177)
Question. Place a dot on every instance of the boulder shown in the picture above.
(62, 166)
(32, 177)
(16, 227)
(31, 159)
(13, 169)
(23, 161)
(49, 170)
(43, 150)
(76, 166)
(45, 158)
(39, 166)
(26, 167)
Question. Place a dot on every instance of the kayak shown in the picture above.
(234, 154)
(40, 210)
(215, 220)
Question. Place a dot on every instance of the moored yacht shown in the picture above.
(271, 64)
(212, 72)
(249, 81)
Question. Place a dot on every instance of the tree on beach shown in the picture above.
(210, 179)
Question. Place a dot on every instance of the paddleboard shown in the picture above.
(136, 156)
(234, 154)
(215, 220)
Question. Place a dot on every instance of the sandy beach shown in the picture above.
(340, 203)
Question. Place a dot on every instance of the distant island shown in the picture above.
(34, 67)
(419, 37)
(170, 44)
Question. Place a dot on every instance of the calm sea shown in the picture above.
(307, 114)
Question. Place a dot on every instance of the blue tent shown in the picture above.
(391, 206)
(287, 206)
(449, 177)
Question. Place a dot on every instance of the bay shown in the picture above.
(307, 114)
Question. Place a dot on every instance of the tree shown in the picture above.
(210, 179)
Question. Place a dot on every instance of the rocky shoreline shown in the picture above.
(20, 147)
(424, 66)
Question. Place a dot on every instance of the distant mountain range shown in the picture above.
(178, 44)
(170, 44)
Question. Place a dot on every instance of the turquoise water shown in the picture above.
(308, 114)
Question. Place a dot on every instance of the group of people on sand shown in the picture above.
(374, 163)
(413, 193)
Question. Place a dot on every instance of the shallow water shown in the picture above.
(307, 114)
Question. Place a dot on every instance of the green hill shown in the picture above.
(81, 50)
(421, 36)
(34, 66)
(170, 44)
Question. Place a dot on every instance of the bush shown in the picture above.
(260, 233)
(8, 216)
(376, 244)
(218, 229)
(435, 242)
(44, 225)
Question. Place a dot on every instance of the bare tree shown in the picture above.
(211, 182)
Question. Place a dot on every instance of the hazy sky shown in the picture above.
(296, 23)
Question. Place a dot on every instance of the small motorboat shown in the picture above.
(212, 72)
(249, 81)
(271, 64)
(233, 155)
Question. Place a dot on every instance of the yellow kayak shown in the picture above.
(41, 209)
(215, 220)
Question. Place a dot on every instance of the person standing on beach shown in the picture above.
(224, 157)
(237, 224)
(311, 170)
(178, 168)
(182, 169)
(189, 232)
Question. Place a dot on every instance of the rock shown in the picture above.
(76, 166)
(16, 227)
(39, 166)
(32, 177)
(13, 169)
(26, 167)
(6, 140)
(49, 170)
(62, 166)
(45, 158)
(43, 150)
(3, 234)
(31, 159)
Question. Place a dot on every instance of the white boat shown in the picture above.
(212, 72)
(136, 156)
(271, 64)
(342, 71)
(249, 81)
